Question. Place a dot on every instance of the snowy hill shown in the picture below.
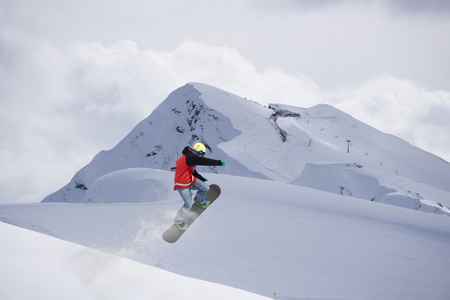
(355, 181)
(77, 272)
(261, 236)
(273, 143)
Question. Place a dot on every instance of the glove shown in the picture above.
(223, 163)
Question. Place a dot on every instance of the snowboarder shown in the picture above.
(187, 179)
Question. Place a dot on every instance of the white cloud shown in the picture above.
(402, 108)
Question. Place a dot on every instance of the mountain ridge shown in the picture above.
(274, 142)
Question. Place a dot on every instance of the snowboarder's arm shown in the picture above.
(195, 174)
(193, 160)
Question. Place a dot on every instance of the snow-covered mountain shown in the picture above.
(274, 142)
(298, 217)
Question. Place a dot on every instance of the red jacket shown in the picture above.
(185, 174)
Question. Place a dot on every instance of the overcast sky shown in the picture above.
(77, 76)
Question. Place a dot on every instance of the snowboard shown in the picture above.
(172, 234)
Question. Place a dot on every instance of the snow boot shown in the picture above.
(203, 204)
(182, 225)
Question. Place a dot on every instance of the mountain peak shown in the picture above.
(274, 142)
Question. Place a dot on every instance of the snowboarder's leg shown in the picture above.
(202, 188)
(187, 198)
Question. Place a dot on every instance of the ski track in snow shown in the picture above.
(261, 164)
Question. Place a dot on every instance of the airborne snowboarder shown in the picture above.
(187, 179)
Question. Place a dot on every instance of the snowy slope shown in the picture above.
(261, 236)
(374, 185)
(256, 141)
(36, 266)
